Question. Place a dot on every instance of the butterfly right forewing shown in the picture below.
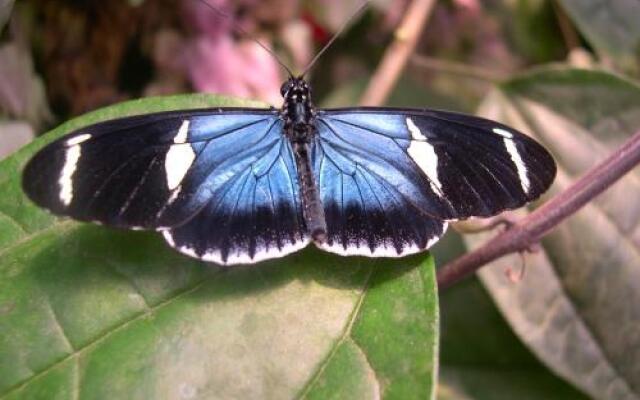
(390, 179)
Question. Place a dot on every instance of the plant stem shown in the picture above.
(532, 228)
(569, 34)
(397, 53)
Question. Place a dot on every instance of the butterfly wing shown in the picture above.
(391, 178)
(219, 183)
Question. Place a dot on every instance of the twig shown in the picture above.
(531, 228)
(569, 34)
(397, 54)
(505, 221)
(464, 70)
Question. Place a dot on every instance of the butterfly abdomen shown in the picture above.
(312, 207)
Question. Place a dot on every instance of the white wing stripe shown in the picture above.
(521, 167)
(424, 155)
(72, 156)
(179, 157)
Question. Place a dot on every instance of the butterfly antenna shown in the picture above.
(244, 33)
(335, 36)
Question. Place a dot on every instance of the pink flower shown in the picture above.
(237, 68)
(215, 62)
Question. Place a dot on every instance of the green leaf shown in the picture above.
(480, 356)
(578, 306)
(86, 311)
(482, 359)
(611, 27)
(530, 28)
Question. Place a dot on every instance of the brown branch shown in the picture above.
(531, 228)
(397, 54)
(569, 33)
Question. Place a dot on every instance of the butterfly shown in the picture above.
(241, 185)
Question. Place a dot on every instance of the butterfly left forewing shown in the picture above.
(70, 175)
(124, 172)
(179, 172)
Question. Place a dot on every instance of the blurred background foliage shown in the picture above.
(62, 58)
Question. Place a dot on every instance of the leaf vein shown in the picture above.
(60, 227)
(60, 327)
(13, 222)
(345, 334)
(81, 350)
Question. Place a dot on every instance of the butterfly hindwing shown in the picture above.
(253, 216)
(175, 171)
(390, 178)
(365, 213)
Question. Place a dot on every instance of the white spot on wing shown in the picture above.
(181, 137)
(363, 249)
(179, 157)
(66, 176)
(262, 253)
(168, 237)
(389, 251)
(424, 155)
(503, 133)
(174, 195)
(435, 238)
(78, 139)
(510, 145)
(414, 130)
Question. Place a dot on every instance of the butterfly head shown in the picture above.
(297, 110)
(296, 90)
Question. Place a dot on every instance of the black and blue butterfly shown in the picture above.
(240, 185)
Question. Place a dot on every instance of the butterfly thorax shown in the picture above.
(297, 111)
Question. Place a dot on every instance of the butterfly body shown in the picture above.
(298, 115)
(240, 185)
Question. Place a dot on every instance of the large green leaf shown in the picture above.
(480, 356)
(578, 306)
(86, 311)
(611, 27)
(530, 27)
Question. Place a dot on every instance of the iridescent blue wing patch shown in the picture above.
(220, 184)
(390, 179)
